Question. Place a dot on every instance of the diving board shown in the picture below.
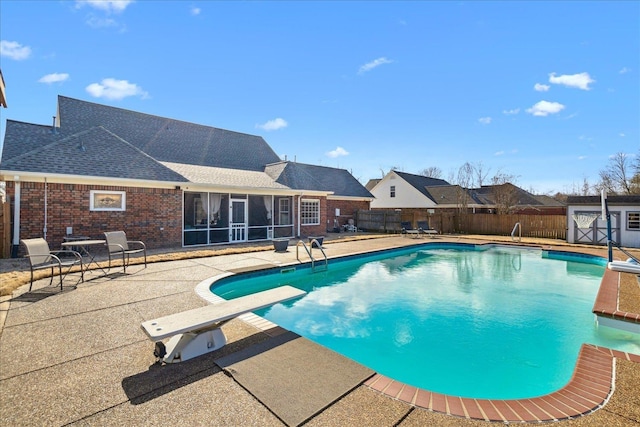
(197, 331)
(625, 266)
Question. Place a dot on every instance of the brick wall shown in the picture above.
(348, 209)
(152, 215)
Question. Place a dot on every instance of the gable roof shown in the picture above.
(94, 140)
(301, 176)
(420, 182)
(449, 195)
(84, 154)
(165, 139)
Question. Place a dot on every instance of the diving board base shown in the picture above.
(196, 332)
(190, 344)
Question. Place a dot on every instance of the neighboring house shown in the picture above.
(510, 198)
(624, 212)
(164, 181)
(372, 183)
(401, 190)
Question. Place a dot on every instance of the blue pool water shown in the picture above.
(494, 323)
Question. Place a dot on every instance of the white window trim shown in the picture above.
(316, 202)
(94, 193)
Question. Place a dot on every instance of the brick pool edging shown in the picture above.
(588, 390)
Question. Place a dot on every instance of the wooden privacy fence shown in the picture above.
(542, 226)
(5, 230)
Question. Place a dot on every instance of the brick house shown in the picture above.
(167, 182)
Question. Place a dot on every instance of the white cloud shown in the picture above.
(539, 87)
(106, 5)
(544, 108)
(115, 89)
(274, 124)
(485, 120)
(53, 78)
(373, 64)
(624, 70)
(339, 151)
(580, 81)
(582, 157)
(97, 22)
(195, 10)
(622, 135)
(511, 112)
(14, 50)
(498, 153)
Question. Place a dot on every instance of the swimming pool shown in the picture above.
(482, 322)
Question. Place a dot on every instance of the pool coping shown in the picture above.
(589, 389)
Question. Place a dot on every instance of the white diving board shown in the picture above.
(624, 266)
(197, 331)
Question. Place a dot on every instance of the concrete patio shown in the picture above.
(79, 357)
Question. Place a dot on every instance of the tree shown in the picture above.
(618, 177)
(481, 173)
(505, 194)
(432, 172)
(464, 181)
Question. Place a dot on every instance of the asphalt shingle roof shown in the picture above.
(224, 177)
(103, 141)
(170, 140)
(93, 152)
(301, 176)
(421, 182)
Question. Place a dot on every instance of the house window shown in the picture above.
(107, 200)
(633, 220)
(283, 212)
(393, 191)
(310, 212)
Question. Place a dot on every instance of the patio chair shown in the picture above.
(407, 228)
(117, 244)
(424, 228)
(41, 257)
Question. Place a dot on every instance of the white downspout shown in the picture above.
(16, 215)
(44, 231)
(299, 216)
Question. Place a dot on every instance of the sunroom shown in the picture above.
(215, 218)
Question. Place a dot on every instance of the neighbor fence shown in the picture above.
(541, 226)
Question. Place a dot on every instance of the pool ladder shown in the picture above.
(312, 243)
(513, 233)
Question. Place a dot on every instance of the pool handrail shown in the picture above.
(519, 228)
(312, 243)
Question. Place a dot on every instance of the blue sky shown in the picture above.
(543, 91)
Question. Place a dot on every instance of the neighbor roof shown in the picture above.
(421, 182)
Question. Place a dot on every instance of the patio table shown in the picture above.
(84, 246)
